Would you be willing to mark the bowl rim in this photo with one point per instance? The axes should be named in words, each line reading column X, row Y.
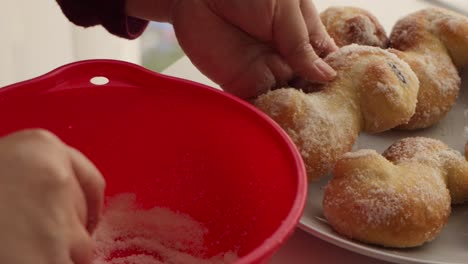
column 267, row 248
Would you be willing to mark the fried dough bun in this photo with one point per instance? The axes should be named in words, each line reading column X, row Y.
column 433, row 41
column 348, row 25
column 435, row 44
column 374, row 91
column 399, row 199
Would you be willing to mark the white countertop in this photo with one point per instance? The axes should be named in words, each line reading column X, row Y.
column 303, row 247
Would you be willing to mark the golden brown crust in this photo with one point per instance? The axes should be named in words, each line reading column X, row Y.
column 414, row 148
column 433, row 29
column 439, row 87
column 325, row 124
column 307, row 120
column 348, row 25
column 466, row 151
column 434, row 153
column 433, row 41
column 400, row 199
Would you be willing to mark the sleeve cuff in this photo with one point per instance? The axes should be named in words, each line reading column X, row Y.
column 108, row 13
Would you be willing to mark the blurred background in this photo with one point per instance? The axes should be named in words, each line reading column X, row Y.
column 37, row 38
column 159, row 47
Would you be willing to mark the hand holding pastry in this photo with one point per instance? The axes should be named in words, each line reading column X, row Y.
column 374, row 91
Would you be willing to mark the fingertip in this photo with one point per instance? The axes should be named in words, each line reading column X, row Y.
column 324, row 45
column 93, row 221
column 322, row 71
column 92, row 184
column 262, row 75
column 332, row 47
column 82, row 247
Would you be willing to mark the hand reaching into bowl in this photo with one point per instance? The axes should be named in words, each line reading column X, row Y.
column 50, row 200
column 247, row 47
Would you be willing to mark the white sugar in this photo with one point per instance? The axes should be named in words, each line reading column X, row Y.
column 423, row 150
column 151, row 236
column 349, row 54
column 436, row 64
column 359, row 154
column 353, row 25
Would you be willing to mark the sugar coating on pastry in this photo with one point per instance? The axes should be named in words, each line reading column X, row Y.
column 359, row 154
column 420, row 149
column 434, row 153
column 374, row 91
column 348, row 25
column 418, row 30
column 320, row 129
column 434, row 42
column 385, row 84
column 384, row 211
column 399, row 199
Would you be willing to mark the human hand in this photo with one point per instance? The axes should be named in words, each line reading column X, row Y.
column 251, row 46
column 247, row 46
column 50, row 200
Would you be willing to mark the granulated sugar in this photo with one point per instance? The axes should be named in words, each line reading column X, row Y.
column 353, row 25
column 359, row 154
column 128, row 234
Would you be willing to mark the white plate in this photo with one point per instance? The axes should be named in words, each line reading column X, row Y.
column 451, row 246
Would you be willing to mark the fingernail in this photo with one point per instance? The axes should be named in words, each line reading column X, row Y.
column 327, row 72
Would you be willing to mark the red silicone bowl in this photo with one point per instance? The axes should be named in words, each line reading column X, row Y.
column 175, row 144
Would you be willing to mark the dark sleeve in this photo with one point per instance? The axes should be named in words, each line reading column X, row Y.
column 108, row 13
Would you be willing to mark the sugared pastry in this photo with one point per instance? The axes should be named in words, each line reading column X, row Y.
column 348, row 25
column 374, row 91
column 434, row 42
column 399, row 199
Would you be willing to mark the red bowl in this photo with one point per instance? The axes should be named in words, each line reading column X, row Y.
column 176, row 144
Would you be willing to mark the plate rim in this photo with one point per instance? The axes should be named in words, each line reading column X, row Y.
column 355, row 247
column 361, row 248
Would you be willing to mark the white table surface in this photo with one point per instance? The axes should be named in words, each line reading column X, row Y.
column 302, row 247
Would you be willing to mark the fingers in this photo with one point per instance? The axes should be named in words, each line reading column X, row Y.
column 88, row 188
column 82, row 247
column 259, row 76
column 318, row 35
column 291, row 37
column 55, row 186
column 92, row 183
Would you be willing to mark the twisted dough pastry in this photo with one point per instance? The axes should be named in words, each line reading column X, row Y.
column 374, row 91
column 400, row 199
column 348, row 25
column 434, row 42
